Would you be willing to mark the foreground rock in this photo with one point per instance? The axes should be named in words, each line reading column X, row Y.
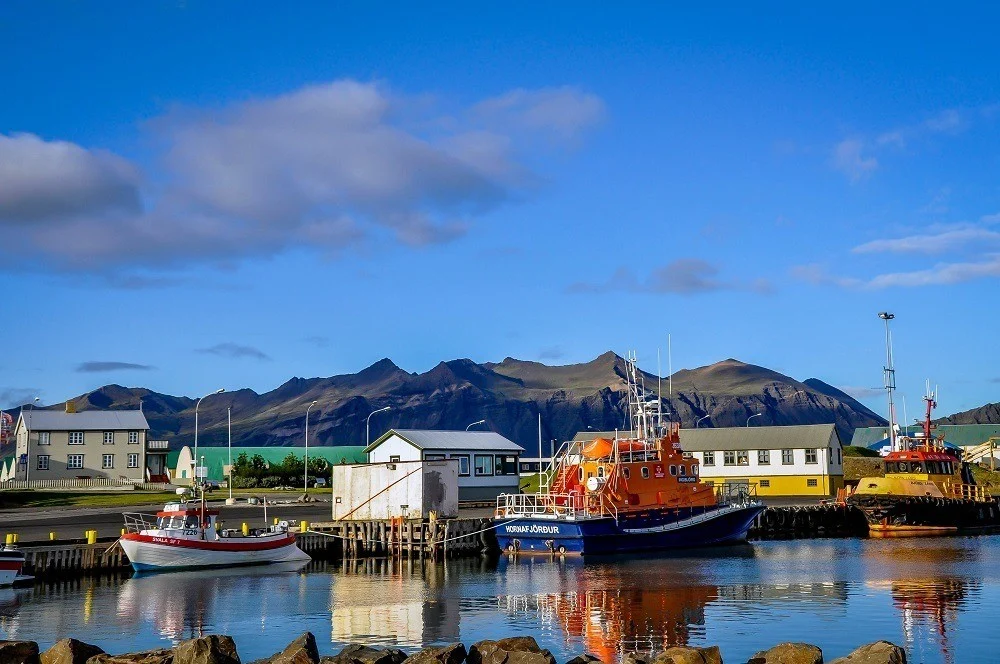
column 69, row 651
column 302, row 650
column 159, row 656
column 688, row 655
column 789, row 653
column 18, row 652
column 207, row 650
column 453, row 653
column 513, row 650
column 880, row 652
column 358, row 654
column 585, row 658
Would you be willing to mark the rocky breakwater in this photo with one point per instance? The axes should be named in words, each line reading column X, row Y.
column 513, row 650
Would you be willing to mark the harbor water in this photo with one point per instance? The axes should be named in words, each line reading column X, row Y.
column 937, row 597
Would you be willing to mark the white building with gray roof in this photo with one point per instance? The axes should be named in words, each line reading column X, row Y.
column 487, row 462
column 92, row 444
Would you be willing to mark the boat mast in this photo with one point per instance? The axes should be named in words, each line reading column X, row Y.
column 889, row 378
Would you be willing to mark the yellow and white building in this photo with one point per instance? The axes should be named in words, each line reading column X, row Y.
column 798, row 460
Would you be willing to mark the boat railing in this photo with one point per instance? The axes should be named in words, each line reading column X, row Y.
column 973, row 492
column 555, row 505
column 735, row 493
column 136, row 522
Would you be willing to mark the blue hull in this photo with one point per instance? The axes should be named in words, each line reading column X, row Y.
column 650, row 530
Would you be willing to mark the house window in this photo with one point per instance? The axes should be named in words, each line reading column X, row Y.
column 786, row 458
column 811, row 456
column 74, row 461
column 133, row 460
column 109, row 437
column 394, row 458
column 107, row 461
column 763, row 457
column 44, row 437
column 840, row 458
column 812, row 483
column 709, row 459
column 506, row 465
column 729, row 458
column 463, row 464
column 765, row 484
column 484, row 465
column 645, row 473
column 742, row 458
column 434, row 457
column 133, row 437
column 76, row 438
column 43, row 461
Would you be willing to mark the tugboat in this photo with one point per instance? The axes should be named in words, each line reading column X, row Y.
column 11, row 564
column 927, row 490
column 185, row 535
column 638, row 493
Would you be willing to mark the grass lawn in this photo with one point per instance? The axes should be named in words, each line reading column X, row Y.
column 529, row 483
column 30, row 498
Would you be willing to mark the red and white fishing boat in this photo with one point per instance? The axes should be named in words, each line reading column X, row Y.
column 184, row 535
column 11, row 564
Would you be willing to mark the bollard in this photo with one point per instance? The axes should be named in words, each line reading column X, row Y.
column 91, row 537
column 17, row 538
column 304, row 526
column 52, row 537
column 8, row 539
column 123, row 532
column 275, row 520
column 246, row 529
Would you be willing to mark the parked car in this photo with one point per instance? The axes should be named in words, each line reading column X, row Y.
column 319, row 483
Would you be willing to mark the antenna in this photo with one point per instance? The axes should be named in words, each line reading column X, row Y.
column 889, row 378
column 670, row 369
column 659, row 392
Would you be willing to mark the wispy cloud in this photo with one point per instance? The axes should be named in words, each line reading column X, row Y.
column 235, row 351
column 849, row 158
column 944, row 241
column 100, row 367
column 861, row 392
column 552, row 353
column 11, row 397
column 321, row 167
column 684, row 276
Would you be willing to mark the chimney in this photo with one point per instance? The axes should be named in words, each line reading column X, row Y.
column 70, row 406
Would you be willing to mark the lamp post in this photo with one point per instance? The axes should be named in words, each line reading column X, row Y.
column 218, row 391
column 368, row 437
column 474, row 424
column 698, row 421
column 305, row 482
column 751, row 417
column 229, row 430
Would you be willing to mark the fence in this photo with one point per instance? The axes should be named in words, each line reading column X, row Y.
column 93, row 483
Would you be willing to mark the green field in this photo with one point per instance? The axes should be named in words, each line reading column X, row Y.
column 32, row 498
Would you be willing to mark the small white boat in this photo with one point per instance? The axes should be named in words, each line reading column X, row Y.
column 11, row 564
column 184, row 536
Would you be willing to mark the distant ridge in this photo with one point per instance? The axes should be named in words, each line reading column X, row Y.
column 509, row 395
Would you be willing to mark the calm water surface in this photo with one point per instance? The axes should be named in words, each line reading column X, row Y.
column 938, row 597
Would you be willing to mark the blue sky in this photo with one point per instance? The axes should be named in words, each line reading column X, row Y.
column 228, row 195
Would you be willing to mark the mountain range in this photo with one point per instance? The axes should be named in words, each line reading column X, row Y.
column 509, row 395
column 988, row 414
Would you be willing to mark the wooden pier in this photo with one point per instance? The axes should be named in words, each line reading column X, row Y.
column 401, row 538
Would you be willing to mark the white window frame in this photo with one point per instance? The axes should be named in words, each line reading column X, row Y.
column 814, row 453
column 483, row 473
column 708, row 459
column 791, row 457
column 133, row 437
column 75, row 434
column 105, row 465
column 463, row 459
column 74, row 465
column 763, row 457
column 109, row 437
column 43, row 462
column 133, row 460
column 729, row 458
column 742, row 457
column 44, row 437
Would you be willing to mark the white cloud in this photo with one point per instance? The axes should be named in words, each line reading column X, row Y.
column 848, row 158
column 684, row 276
column 323, row 166
column 931, row 243
column 939, row 274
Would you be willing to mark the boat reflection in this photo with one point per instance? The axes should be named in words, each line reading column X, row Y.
column 184, row 605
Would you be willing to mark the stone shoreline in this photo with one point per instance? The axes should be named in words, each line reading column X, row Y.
column 514, row 650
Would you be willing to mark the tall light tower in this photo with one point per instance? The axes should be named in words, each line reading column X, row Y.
column 889, row 378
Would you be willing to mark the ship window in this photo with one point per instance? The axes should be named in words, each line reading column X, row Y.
column 600, row 471
column 694, row 470
column 581, row 474
column 191, row 522
column 918, row 467
column 645, row 473
column 709, row 459
column 673, row 470
column 177, row 522
column 625, row 472
column 904, row 467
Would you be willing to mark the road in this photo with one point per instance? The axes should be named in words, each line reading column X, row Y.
column 34, row 525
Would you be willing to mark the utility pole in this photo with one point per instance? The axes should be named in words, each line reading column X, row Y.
column 889, row 378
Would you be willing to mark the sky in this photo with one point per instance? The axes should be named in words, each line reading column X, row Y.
column 196, row 195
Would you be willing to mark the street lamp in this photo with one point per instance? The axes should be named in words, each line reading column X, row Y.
column 27, row 451
column 218, row 391
column 305, row 482
column 229, row 430
column 368, row 437
column 753, row 416
column 474, row 424
column 698, row 421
